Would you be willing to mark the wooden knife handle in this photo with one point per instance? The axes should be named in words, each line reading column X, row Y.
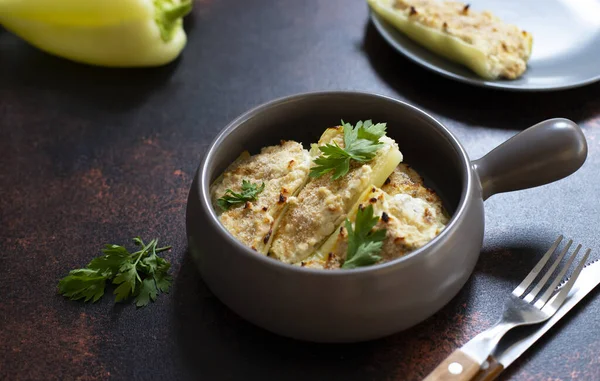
column 456, row 367
column 491, row 372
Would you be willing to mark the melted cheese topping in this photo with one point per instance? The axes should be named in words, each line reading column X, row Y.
column 284, row 169
column 411, row 213
column 323, row 203
column 405, row 180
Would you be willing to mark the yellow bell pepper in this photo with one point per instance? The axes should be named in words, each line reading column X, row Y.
column 113, row 33
column 80, row 12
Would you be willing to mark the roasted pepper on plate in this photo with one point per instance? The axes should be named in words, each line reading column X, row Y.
column 113, row 33
column 478, row 40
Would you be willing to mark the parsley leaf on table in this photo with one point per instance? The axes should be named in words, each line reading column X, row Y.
column 361, row 142
column 163, row 280
column 142, row 274
column 363, row 243
column 249, row 193
column 148, row 291
column 83, row 283
column 126, row 279
column 109, row 263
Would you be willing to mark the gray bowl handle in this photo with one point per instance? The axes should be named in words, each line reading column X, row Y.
column 546, row 152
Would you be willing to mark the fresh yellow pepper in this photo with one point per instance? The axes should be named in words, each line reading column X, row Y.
column 113, row 33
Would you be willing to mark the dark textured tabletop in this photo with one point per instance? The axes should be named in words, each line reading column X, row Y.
column 90, row 156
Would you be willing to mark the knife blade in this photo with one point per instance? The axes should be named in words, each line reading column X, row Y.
column 513, row 346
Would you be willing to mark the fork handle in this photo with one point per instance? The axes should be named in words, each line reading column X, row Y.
column 456, row 367
column 546, row 152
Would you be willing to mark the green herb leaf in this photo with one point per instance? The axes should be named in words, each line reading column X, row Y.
column 158, row 268
column 371, row 131
column 363, row 243
column 151, row 263
column 249, row 193
column 83, row 284
column 147, row 292
column 126, row 279
column 109, row 263
column 361, row 143
column 142, row 274
column 334, row 158
column 163, row 281
column 365, row 255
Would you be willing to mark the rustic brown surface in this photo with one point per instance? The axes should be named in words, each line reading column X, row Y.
column 90, row 156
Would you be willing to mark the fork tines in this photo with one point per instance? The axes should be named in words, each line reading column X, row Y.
column 542, row 302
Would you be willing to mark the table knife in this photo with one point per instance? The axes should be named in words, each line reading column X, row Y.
column 513, row 346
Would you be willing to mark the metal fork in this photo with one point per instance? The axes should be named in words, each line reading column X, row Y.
column 519, row 308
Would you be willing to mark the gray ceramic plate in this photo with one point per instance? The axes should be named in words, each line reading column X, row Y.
column 566, row 44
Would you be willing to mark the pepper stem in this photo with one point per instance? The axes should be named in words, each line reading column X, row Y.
column 172, row 14
column 168, row 16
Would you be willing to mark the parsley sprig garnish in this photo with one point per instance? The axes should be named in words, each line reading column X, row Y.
column 361, row 142
column 249, row 193
column 363, row 243
column 142, row 274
